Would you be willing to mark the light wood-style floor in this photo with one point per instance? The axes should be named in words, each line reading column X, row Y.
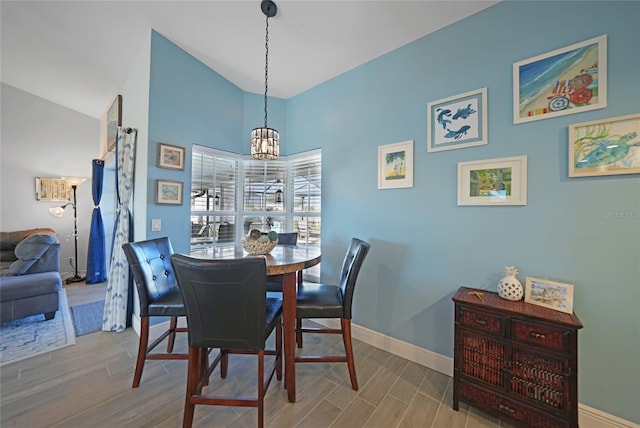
column 89, row 385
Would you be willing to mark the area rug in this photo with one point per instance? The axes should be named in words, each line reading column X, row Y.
column 27, row 337
column 88, row 318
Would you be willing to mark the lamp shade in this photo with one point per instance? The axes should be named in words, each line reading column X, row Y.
column 74, row 181
column 57, row 211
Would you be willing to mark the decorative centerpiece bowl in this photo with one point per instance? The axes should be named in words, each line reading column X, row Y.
column 257, row 244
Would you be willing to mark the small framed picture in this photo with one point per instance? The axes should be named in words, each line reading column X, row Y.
column 169, row 192
column 605, row 147
column 550, row 294
column 170, row 157
column 457, row 122
column 51, row 189
column 500, row 181
column 569, row 80
column 395, row 165
column 114, row 119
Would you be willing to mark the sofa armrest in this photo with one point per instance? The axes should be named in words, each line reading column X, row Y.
column 37, row 253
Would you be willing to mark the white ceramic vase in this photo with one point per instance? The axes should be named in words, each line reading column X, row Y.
column 509, row 287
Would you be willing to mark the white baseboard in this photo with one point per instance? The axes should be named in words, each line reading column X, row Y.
column 588, row 417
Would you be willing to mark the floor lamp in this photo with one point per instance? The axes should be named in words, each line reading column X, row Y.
column 74, row 182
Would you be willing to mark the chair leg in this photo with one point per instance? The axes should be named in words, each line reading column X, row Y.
column 348, row 347
column 173, row 324
column 142, row 350
column 194, row 373
column 279, row 350
column 224, row 363
column 261, row 389
column 299, row 332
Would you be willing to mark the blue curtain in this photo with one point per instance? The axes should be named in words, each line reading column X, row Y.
column 96, row 256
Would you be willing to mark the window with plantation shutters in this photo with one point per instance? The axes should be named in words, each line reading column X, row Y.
column 214, row 191
column 306, row 194
column 230, row 195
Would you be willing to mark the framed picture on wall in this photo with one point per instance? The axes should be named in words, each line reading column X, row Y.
column 500, row 181
column 458, row 121
column 114, row 119
column 550, row 294
column 395, row 165
column 51, row 189
column 170, row 157
column 569, row 80
column 605, row 147
column 169, row 192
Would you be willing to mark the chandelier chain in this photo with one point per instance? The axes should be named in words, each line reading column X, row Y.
column 266, row 69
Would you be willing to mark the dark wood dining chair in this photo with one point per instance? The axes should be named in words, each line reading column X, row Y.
column 158, row 295
column 227, row 308
column 332, row 301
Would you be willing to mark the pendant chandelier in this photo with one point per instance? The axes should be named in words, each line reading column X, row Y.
column 265, row 141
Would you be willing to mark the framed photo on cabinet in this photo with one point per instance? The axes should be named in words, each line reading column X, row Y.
column 550, row 294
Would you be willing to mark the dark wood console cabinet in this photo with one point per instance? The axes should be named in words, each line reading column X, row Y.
column 516, row 360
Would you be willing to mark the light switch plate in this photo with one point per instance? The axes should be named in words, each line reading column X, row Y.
column 156, row 225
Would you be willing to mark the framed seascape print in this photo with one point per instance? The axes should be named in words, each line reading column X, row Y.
column 493, row 182
column 169, row 192
column 114, row 119
column 605, row 147
column 568, row 80
column 395, row 165
column 457, row 122
column 550, row 294
column 170, row 157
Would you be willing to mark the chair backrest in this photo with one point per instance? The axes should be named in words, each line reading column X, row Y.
column 288, row 238
column 225, row 301
column 226, row 232
column 149, row 261
column 351, row 265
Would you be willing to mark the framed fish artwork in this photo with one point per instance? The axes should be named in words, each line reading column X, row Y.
column 605, row 147
column 457, row 122
column 569, row 80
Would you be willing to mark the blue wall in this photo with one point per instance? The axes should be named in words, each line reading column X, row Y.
column 424, row 246
column 585, row 231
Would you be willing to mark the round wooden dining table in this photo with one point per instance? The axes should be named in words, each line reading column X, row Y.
column 285, row 261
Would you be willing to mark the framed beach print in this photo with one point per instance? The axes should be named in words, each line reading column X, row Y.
column 457, row 122
column 51, row 189
column 605, row 147
column 550, row 294
column 395, row 165
column 169, row 192
column 569, row 80
column 170, row 157
column 500, row 181
column 114, row 119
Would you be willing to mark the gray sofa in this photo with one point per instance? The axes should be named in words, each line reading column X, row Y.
column 29, row 274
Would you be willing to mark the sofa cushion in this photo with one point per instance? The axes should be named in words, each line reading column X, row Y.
column 29, row 251
column 20, row 287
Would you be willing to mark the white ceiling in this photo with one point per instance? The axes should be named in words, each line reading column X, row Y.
column 75, row 53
